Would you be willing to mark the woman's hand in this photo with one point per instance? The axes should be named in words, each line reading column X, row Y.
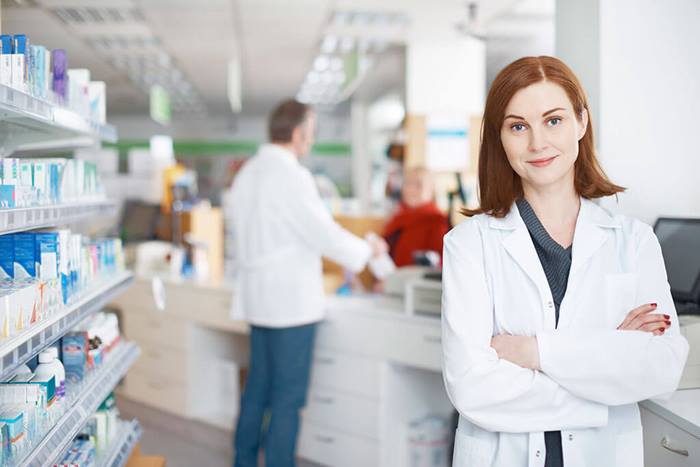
column 642, row 319
column 521, row 350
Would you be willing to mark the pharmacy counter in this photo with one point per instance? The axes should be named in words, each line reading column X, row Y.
column 672, row 430
column 190, row 363
column 375, row 369
column 375, row 372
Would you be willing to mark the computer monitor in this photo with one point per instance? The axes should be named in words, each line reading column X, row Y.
column 139, row 221
column 680, row 246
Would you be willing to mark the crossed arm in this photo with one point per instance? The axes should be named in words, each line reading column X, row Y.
column 558, row 379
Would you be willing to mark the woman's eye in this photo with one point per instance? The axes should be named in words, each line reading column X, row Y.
column 554, row 121
column 517, row 127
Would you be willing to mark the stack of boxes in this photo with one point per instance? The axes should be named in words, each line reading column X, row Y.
column 35, row 70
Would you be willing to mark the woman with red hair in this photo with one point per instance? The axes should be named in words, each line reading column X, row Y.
column 557, row 315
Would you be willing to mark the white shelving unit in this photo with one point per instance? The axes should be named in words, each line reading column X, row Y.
column 23, row 347
column 83, row 401
column 28, row 123
column 118, row 453
column 37, row 217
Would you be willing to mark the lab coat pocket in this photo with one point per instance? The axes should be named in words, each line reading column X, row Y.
column 471, row 451
column 620, row 297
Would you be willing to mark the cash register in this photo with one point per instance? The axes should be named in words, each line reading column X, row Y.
column 680, row 246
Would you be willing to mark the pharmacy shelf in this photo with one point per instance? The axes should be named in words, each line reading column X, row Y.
column 27, row 122
column 120, row 449
column 82, row 401
column 19, row 349
column 21, row 219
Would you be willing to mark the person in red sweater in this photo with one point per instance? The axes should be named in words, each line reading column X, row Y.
column 418, row 224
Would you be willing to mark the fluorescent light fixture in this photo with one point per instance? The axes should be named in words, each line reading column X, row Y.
column 336, row 64
column 321, row 63
column 346, row 44
column 329, row 44
column 234, row 85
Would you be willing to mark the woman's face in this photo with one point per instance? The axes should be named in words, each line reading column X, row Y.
column 540, row 135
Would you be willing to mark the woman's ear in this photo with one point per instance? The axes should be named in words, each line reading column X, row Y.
column 583, row 124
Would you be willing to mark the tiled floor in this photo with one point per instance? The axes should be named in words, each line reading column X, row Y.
column 184, row 443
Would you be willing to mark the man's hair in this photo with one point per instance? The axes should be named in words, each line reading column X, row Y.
column 287, row 116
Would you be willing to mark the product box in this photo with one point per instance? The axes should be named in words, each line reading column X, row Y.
column 98, row 108
column 13, row 417
column 49, row 383
column 7, row 196
column 7, row 256
column 46, row 244
column 6, row 60
column 41, row 182
column 25, row 189
column 75, row 350
column 25, row 256
column 59, row 66
column 30, row 397
column 26, row 304
column 6, row 327
column 19, row 62
column 64, row 260
column 10, row 174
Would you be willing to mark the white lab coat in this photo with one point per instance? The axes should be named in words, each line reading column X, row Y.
column 592, row 375
column 281, row 228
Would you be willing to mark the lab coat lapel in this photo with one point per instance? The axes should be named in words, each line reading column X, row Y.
column 519, row 246
column 594, row 227
column 592, row 231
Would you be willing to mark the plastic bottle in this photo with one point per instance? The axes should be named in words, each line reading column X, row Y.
column 49, row 365
column 61, row 372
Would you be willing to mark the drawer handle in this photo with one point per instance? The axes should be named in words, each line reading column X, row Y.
column 324, row 400
column 432, row 339
column 325, row 439
column 667, row 445
column 326, row 360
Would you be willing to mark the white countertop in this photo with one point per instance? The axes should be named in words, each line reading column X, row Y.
column 682, row 409
column 379, row 306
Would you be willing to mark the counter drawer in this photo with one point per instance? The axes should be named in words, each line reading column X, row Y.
column 163, row 362
column 659, row 432
column 348, row 373
column 162, row 393
column 156, row 328
column 416, row 345
column 352, row 414
column 326, row 446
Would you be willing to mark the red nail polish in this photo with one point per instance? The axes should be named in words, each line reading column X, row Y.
column 654, row 305
column 663, row 330
column 667, row 317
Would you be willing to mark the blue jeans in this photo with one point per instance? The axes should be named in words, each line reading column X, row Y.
column 278, row 379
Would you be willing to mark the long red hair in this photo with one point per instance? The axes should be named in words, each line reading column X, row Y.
column 499, row 185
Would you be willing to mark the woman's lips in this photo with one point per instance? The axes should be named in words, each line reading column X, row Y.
column 542, row 162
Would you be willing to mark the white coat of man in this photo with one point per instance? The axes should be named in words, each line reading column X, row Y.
column 282, row 229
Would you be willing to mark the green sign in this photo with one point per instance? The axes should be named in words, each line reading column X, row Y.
column 160, row 105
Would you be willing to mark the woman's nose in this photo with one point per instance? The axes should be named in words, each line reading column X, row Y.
column 537, row 140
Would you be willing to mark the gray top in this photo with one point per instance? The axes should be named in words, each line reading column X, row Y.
column 555, row 259
column 556, row 262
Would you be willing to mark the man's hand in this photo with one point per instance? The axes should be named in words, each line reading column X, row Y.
column 377, row 243
column 521, row 350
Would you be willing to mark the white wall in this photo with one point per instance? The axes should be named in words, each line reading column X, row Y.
column 331, row 127
column 649, row 94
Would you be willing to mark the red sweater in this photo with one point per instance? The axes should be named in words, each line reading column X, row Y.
column 414, row 229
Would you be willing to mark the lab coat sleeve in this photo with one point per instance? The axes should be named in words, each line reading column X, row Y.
column 492, row 393
column 621, row 367
column 311, row 220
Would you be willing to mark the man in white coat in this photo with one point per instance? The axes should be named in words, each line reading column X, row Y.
column 282, row 229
